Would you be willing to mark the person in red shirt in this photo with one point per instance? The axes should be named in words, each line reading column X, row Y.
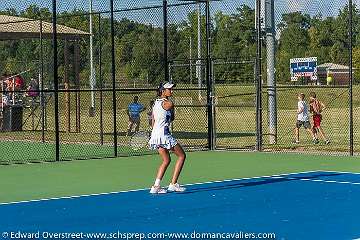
column 316, row 107
column 19, row 82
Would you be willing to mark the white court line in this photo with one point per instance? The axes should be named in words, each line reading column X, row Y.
column 328, row 181
column 277, row 176
column 355, row 173
column 142, row 189
column 323, row 181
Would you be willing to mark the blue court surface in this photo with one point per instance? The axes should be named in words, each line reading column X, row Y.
column 309, row 205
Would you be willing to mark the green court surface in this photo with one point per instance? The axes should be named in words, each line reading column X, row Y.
column 32, row 151
column 72, row 178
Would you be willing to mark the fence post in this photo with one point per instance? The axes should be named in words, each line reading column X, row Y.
column 42, row 101
column 101, row 83
column 113, row 66
column 258, row 78
column 351, row 122
column 165, row 20
column 210, row 94
column 56, row 84
column 271, row 81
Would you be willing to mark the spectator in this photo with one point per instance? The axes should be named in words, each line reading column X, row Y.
column 303, row 119
column 33, row 88
column 133, row 112
column 316, row 107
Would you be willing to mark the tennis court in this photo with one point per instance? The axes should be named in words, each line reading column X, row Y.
column 293, row 196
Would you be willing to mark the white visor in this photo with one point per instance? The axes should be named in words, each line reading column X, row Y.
column 168, row 85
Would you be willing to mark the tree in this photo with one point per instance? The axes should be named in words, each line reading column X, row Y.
column 235, row 40
column 294, row 42
column 321, row 38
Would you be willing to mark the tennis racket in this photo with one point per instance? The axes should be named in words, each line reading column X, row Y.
column 139, row 140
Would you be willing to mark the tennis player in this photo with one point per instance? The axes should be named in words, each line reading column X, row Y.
column 162, row 140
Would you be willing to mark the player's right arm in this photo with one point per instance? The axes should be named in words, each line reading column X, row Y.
column 152, row 120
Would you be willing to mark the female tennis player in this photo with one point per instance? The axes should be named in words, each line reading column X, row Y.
column 161, row 140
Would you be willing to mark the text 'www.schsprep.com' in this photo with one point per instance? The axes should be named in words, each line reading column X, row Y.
column 134, row 235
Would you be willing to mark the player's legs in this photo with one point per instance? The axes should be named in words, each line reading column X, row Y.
column 313, row 136
column 316, row 124
column 315, row 131
column 179, row 152
column 130, row 126
column 165, row 156
column 297, row 127
column 137, row 124
column 322, row 133
column 297, row 136
column 308, row 128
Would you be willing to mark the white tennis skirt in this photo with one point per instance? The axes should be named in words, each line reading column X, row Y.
column 164, row 141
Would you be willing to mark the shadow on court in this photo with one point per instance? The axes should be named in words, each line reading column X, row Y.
column 257, row 182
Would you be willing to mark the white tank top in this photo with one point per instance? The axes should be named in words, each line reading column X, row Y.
column 162, row 118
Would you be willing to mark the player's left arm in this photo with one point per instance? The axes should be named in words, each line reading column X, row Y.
column 172, row 118
column 323, row 106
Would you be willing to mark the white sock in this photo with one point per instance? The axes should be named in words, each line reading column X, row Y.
column 157, row 182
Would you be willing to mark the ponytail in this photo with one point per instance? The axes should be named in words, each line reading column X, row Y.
column 160, row 89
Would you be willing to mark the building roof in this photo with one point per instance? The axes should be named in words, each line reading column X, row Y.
column 332, row 66
column 12, row 27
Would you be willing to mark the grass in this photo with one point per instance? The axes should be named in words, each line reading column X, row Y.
column 234, row 119
column 33, row 152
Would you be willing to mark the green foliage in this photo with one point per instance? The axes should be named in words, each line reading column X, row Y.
column 139, row 46
column 356, row 62
column 324, row 38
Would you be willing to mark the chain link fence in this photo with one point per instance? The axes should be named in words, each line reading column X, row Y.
column 310, row 46
column 211, row 49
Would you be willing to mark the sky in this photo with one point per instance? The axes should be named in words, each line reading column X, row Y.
column 312, row 7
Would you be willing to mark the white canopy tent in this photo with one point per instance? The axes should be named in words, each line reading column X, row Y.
column 12, row 27
column 16, row 28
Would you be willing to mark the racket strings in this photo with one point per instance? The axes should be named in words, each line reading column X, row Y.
column 139, row 140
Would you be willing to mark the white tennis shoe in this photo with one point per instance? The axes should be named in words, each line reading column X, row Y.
column 157, row 190
column 175, row 188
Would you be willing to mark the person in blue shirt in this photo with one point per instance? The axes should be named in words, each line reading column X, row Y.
column 133, row 111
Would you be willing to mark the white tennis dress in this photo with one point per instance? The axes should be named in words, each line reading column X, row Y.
column 160, row 135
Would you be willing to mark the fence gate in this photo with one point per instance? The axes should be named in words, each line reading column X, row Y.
column 234, row 101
